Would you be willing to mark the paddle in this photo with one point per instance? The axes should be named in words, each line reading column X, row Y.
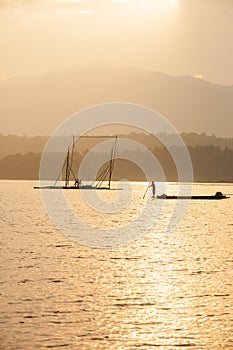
column 145, row 192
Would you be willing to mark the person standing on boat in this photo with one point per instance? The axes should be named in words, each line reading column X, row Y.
column 153, row 188
column 77, row 183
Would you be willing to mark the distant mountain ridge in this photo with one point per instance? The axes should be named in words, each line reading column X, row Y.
column 37, row 105
column 12, row 144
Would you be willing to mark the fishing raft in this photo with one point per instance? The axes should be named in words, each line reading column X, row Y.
column 105, row 175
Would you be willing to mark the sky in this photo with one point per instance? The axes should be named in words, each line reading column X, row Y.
column 177, row 37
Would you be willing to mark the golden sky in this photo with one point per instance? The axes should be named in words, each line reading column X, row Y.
column 179, row 37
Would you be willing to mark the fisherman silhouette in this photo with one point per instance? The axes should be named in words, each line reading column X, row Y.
column 153, row 189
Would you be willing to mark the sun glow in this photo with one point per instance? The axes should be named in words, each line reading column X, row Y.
column 161, row 4
column 157, row 8
column 141, row 3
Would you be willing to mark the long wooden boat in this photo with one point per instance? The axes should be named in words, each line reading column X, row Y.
column 217, row 196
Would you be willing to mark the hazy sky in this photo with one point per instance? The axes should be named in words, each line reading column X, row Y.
column 177, row 37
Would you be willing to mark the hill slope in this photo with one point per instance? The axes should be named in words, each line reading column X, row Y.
column 37, row 105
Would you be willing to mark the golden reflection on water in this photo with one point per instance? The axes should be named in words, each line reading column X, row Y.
column 99, row 216
column 166, row 290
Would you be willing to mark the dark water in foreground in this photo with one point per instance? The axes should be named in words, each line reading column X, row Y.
column 166, row 290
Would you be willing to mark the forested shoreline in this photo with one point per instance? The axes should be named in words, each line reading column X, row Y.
column 210, row 164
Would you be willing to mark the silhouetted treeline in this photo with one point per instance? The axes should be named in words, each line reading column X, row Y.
column 12, row 144
column 210, row 164
column 20, row 166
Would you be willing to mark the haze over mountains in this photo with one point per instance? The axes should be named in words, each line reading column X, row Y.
column 36, row 105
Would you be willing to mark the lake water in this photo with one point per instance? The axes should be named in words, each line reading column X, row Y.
column 166, row 290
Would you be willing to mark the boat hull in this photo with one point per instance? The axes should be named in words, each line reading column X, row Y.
column 214, row 197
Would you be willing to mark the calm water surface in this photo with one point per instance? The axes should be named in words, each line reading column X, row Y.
column 166, row 290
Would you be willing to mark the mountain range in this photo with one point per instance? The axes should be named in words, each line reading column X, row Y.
column 36, row 105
